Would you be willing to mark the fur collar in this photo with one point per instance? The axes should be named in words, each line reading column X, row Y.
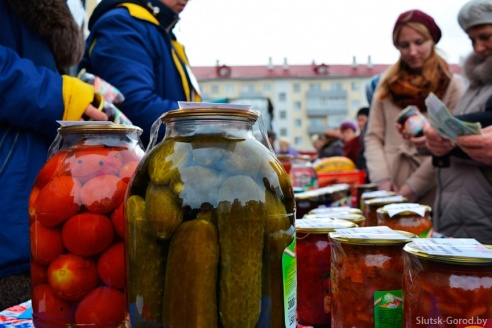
column 52, row 20
column 478, row 70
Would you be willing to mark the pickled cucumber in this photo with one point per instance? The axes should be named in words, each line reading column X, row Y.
column 146, row 257
column 240, row 160
column 166, row 159
column 162, row 211
column 240, row 216
column 190, row 293
column 279, row 233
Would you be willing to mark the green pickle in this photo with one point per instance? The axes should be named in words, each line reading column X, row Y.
column 211, row 216
column 190, row 293
column 146, row 269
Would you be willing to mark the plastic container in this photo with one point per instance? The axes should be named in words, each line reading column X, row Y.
column 371, row 206
column 210, row 225
column 447, row 283
column 313, row 270
column 414, row 218
column 366, row 277
column 302, row 173
column 352, row 178
column 286, row 161
column 76, row 228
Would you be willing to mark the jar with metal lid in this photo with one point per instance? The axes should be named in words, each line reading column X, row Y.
column 302, row 173
column 77, row 226
column 371, row 206
column 373, row 194
column 346, row 216
column 366, row 277
column 331, row 196
column 340, row 209
column 210, row 225
column 447, row 283
column 411, row 217
column 363, row 188
column 313, row 270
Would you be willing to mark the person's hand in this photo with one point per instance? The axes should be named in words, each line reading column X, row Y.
column 93, row 113
column 408, row 193
column 478, row 146
column 387, row 185
column 435, row 143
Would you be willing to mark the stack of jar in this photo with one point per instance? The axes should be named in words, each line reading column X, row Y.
column 332, row 196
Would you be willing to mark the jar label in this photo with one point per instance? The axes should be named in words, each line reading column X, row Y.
column 395, row 209
column 455, row 247
column 289, row 275
column 388, row 308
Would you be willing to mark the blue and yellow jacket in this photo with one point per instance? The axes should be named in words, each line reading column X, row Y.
column 135, row 50
column 33, row 95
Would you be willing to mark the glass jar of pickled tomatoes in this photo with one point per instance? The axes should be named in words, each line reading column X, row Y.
column 77, row 226
column 414, row 218
column 447, row 283
column 366, row 277
column 372, row 205
column 313, row 269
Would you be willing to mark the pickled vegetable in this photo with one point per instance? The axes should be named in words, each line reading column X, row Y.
column 240, row 220
column 162, row 211
column 166, row 160
column 146, row 258
column 190, row 294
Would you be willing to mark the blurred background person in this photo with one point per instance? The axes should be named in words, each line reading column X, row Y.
column 39, row 40
column 329, row 144
column 351, row 141
column 463, row 207
column 132, row 46
column 284, row 147
column 394, row 163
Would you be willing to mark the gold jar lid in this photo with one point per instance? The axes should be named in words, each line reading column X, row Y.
column 376, row 194
column 355, row 218
column 375, row 236
column 385, row 200
column 96, row 127
column 404, row 209
column 317, row 226
column 330, row 210
column 461, row 251
column 217, row 111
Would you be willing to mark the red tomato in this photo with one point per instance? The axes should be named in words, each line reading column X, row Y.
column 58, row 200
column 56, row 165
column 49, row 310
column 72, row 276
column 111, row 266
column 90, row 162
column 33, row 196
column 87, row 234
column 103, row 307
column 103, row 193
column 46, row 243
column 39, row 274
column 118, row 220
column 127, row 170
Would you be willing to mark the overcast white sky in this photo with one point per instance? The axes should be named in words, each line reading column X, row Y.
column 248, row 32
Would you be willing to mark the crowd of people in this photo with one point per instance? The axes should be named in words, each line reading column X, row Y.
column 132, row 46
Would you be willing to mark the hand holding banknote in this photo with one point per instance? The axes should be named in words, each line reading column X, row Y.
column 478, row 147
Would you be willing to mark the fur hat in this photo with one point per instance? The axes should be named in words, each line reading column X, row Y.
column 418, row 16
column 348, row 125
column 475, row 12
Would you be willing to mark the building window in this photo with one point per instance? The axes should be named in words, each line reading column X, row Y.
column 215, row 88
column 317, row 122
column 230, row 89
column 314, row 87
column 297, row 105
column 355, row 86
column 266, row 87
column 355, row 104
column 336, row 86
column 296, row 87
column 282, row 96
column 297, row 123
column 298, row 141
column 248, row 88
column 283, row 114
column 283, row 132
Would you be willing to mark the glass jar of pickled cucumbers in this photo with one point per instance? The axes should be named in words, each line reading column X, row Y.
column 210, row 225
column 76, row 226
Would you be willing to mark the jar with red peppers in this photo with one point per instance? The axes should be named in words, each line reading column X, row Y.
column 447, row 283
column 372, row 205
column 77, row 226
column 414, row 218
column 313, row 269
column 366, row 271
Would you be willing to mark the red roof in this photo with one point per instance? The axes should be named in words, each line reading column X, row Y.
column 292, row 71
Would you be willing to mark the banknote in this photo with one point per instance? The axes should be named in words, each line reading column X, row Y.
column 441, row 119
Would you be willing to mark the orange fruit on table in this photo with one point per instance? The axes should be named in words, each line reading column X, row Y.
column 87, row 234
column 86, row 163
column 72, row 276
column 103, row 193
column 58, row 200
column 111, row 266
column 48, row 309
column 102, row 307
column 46, row 243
